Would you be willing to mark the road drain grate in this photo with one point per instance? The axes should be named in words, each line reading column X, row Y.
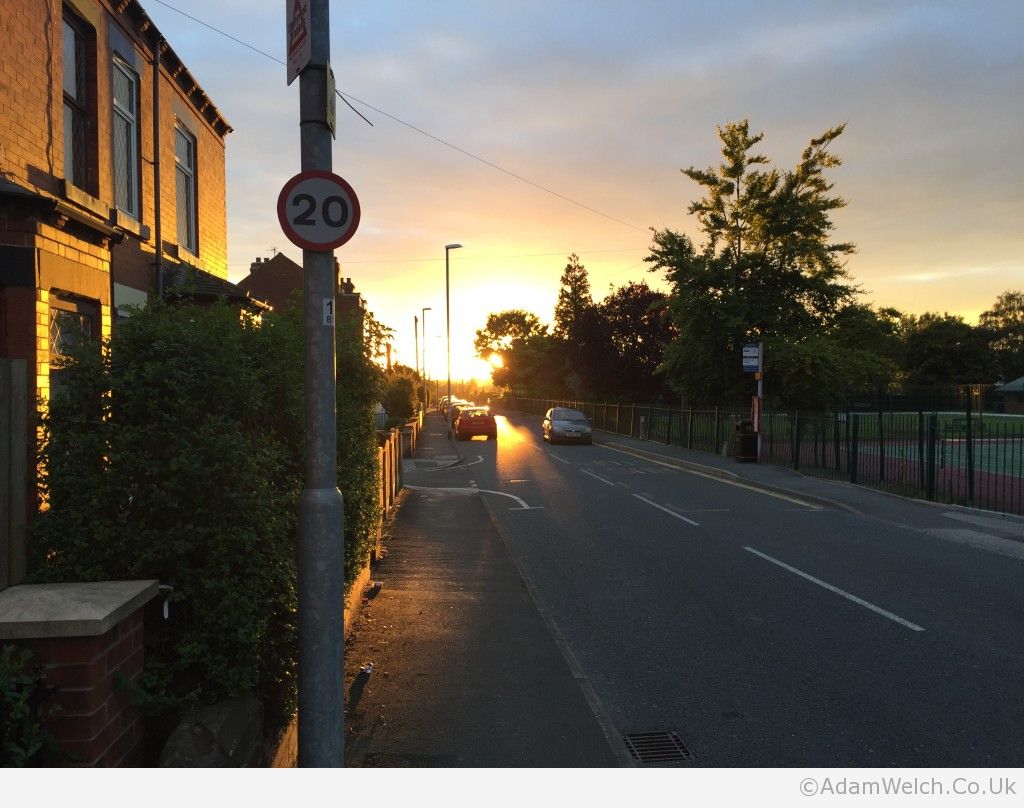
column 656, row 747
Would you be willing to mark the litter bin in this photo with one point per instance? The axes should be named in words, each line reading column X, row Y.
column 746, row 442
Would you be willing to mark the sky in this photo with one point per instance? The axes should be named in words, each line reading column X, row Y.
column 602, row 103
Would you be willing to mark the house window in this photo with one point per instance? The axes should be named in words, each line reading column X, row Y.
column 72, row 322
column 78, row 105
column 126, row 139
column 185, row 188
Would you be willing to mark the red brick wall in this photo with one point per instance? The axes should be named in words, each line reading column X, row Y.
column 95, row 722
column 31, row 129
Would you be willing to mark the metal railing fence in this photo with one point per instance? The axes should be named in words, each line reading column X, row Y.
column 968, row 457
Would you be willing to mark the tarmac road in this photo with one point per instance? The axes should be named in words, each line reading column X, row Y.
column 764, row 628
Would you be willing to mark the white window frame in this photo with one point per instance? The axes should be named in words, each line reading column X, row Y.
column 132, row 119
column 191, row 240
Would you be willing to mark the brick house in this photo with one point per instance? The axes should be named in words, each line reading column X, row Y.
column 275, row 279
column 112, row 188
column 79, row 172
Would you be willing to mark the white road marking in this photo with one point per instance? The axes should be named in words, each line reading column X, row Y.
column 523, row 506
column 666, row 510
column 559, row 459
column 460, row 467
column 836, row 590
column 981, row 541
column 597, row 477
column 1013, row 526
column 716, row 478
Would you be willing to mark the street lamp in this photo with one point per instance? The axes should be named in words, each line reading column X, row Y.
column 426, row 388
column 448, row 323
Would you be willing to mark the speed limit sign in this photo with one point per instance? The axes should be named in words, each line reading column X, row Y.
column 318, row 210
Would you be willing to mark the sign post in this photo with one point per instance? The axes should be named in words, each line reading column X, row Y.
column 318, row 211
column 753, row 362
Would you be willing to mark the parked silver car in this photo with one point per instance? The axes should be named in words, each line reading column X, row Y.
column 562, row 424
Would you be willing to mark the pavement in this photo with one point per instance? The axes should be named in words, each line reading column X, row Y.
column 451, row 663
column 455, row 661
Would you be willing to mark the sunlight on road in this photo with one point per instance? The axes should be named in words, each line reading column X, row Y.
column 510, row 434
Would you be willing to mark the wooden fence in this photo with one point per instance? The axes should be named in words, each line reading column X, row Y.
column 394, row 444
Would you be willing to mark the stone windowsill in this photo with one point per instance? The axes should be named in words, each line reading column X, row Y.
column 183, row 254
column 36, row 611
column 125, row 221
column 83, row 199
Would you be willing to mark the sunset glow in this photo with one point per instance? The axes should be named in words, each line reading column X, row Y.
column 603, row 116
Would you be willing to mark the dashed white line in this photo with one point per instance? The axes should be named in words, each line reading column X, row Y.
column 666, row 510
column 598, row 477
column 836, row 590
column 559, row 459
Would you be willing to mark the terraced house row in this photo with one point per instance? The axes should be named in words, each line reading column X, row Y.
column 111, row 174
column 112, row 189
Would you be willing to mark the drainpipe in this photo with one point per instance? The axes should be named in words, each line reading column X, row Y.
column 158, row 264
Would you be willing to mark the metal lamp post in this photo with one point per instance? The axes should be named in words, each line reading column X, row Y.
column 448, row 322
column 426, row 376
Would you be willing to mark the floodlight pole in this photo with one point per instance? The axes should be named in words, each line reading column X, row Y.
column 321, row 564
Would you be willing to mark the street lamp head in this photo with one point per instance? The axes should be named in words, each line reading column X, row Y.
column 427, row 308
column 452, row 246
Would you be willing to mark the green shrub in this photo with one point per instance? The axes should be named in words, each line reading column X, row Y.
column 176, row 453
column 400, row 397
column 167, row 456
column 360, row 384
column 23, row 710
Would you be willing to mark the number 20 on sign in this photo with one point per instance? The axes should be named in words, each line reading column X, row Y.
column 318, row 210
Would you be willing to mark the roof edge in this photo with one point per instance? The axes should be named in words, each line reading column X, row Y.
column 176, row 69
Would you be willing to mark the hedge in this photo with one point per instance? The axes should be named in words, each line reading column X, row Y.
column 175, row 452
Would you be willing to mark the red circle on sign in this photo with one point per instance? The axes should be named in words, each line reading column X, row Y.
column 343, row 234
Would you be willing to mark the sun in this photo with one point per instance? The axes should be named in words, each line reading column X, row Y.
column 496, row 360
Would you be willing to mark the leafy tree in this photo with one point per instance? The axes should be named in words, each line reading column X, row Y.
column 531, row 358
column 638, row 326
column 581, row 331
column 505, row 329
column 768, row 271
column 1005, row 322
column 574, row 298
column 941, row 349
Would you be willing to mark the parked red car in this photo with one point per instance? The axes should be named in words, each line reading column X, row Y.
column 475, row 421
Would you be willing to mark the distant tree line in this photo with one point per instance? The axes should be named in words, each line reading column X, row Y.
column 768, row 271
